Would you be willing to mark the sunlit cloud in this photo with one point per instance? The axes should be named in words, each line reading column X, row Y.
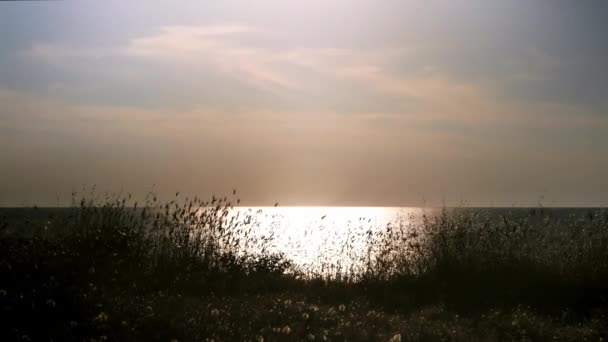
column 278, row 69
column 197, row 45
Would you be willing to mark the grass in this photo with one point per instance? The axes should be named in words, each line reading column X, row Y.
column 110, row 269
column 471, row 260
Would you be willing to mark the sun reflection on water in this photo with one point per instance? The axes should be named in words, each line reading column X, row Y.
column 315, row 238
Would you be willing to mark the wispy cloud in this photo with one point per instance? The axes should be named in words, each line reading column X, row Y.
column 212, row 45
column 426, row 94
column 278, row 69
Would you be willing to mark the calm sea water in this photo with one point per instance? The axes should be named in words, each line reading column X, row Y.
column 316, row 236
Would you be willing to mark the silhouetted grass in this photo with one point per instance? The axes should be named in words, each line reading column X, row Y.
column 110, row 269
column 470, row 260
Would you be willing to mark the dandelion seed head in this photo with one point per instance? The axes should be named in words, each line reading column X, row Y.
column 102, row 317
column 395, row 338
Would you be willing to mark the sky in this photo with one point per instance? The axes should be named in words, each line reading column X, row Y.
column 363, row 103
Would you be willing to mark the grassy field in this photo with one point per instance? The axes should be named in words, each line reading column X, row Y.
column 109, row 269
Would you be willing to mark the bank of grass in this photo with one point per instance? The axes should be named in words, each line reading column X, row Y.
column 110, row 269
column 473, row 259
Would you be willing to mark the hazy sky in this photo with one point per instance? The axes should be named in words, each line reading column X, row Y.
column 307, row 102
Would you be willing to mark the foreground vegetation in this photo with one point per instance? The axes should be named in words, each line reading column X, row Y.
column 110, row 269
